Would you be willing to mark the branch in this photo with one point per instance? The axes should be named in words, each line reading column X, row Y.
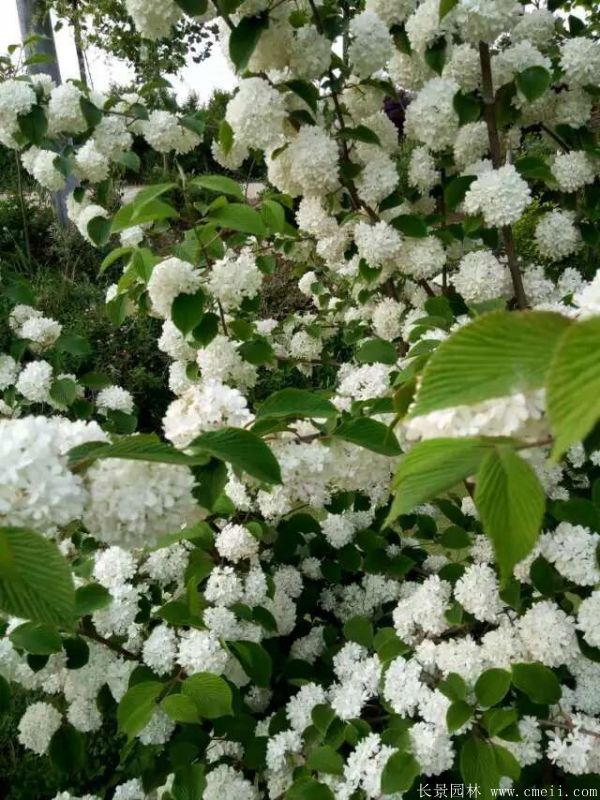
column 489, row 113
column 87, row 629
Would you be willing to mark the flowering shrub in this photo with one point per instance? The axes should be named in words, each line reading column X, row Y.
column 343, row 592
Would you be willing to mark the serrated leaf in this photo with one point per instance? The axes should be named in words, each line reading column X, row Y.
column 325, row 759
column 457, row 715
column 37, row 638
column 91, row 598
column 255, row 661
column 370, row 434
column 574, row 385
column 377, row 351
column 242, row 449
column 180, row 708
column 492, row 686
column 538, row 682
column 533, row 82
column 238, row 217
column 187, row 311
column 137, row 707
column 478, row 766
column 297, row 403
column 432, row 467
column 35, row 579
column 399, row 773
column 510, row 500
column 63, row 391
column 220, row 184
column 496, row 354
column 34, row 125
column 244, row 38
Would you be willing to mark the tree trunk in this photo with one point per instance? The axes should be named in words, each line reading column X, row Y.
column 34, row 19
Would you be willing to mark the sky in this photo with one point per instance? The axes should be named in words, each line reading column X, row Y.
column 204, row 78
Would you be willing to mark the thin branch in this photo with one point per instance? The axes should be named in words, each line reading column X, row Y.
column 87, row 629
column 489, row 113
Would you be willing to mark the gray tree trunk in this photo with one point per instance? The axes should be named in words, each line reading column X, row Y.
column 34, row 19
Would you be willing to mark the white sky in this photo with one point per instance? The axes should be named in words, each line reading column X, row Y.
column 204, row 78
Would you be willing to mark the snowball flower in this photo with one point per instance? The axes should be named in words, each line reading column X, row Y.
column 34, row 381
column 37, row 726
column 256, row 114
column 580, row 60
column 236, row 543
column 431, row 118
column 115, row 398
column 556, row 235
column 235, row 277
column 481, row 277
column 164, row 133
column 588, row 619
column 169, row 279
column 371, row 44
column 573, row 170
column 501, row 195
column 132, row 503
column 477, row 592
column 154, row 19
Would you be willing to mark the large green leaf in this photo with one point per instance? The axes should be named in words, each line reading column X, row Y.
column 244, row 38
column 399, row 773
column 478, row 766
column 220, row 184
column 35, row 579
column 510, row 501
column 143, row 447
column 296, row 403
column 538, row 682
column 210, row 693
column 495, row 355
column 242, row 449
column 66, row 750
column 239, row 217
column 433, row 467
column 492, row 686
column 36, row 638
column 533, row 82
column 370, row 434
column 34, row 125
column 189, row 782
column 255, row 661
column 137, row 707
column 574, row 384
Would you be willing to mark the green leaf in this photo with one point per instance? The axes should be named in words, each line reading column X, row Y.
column 446, row 7
column 4, row 695
column 63, row 391
column 510, row 501
column 399, row 773
column 325, row 759
column 74, row 344
column 496, row 354
column 497, row 720
column 210, row 693
column 34, row 125
column 410, row 225
column 377, row 351
column 297, row 403
column 457, row 715
column 225, row 136
column 220, row 184
column 538, row 682
column 242, row 449
column 141, row 447
column 189, row 782
column 238, row 217
column 360, row 134
column 432, row 467
column 478, row 766
column 360, row 630
column 370, row 434
column 66, row 749
column 137, row 707
column 90, row 598
column 195, row 8
column 258, row 351
column 77, row 652
column 35, row 579
column 273, row 216
column 306, row 91
column 533, row 82
column 435, row 55
column 36, row 638
column 207, row 329
column 453, row 687
column 456, row 189
column 180, row 708
column 574, row 385
column 506, row 762
column 255, row 661
column 244, row 38
column 466, row 106
column 534, row 168
column 308, row 789
column 99, row 230
column 93, row 115
column 130, row 160
column 187, row 311
column 492, row 686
